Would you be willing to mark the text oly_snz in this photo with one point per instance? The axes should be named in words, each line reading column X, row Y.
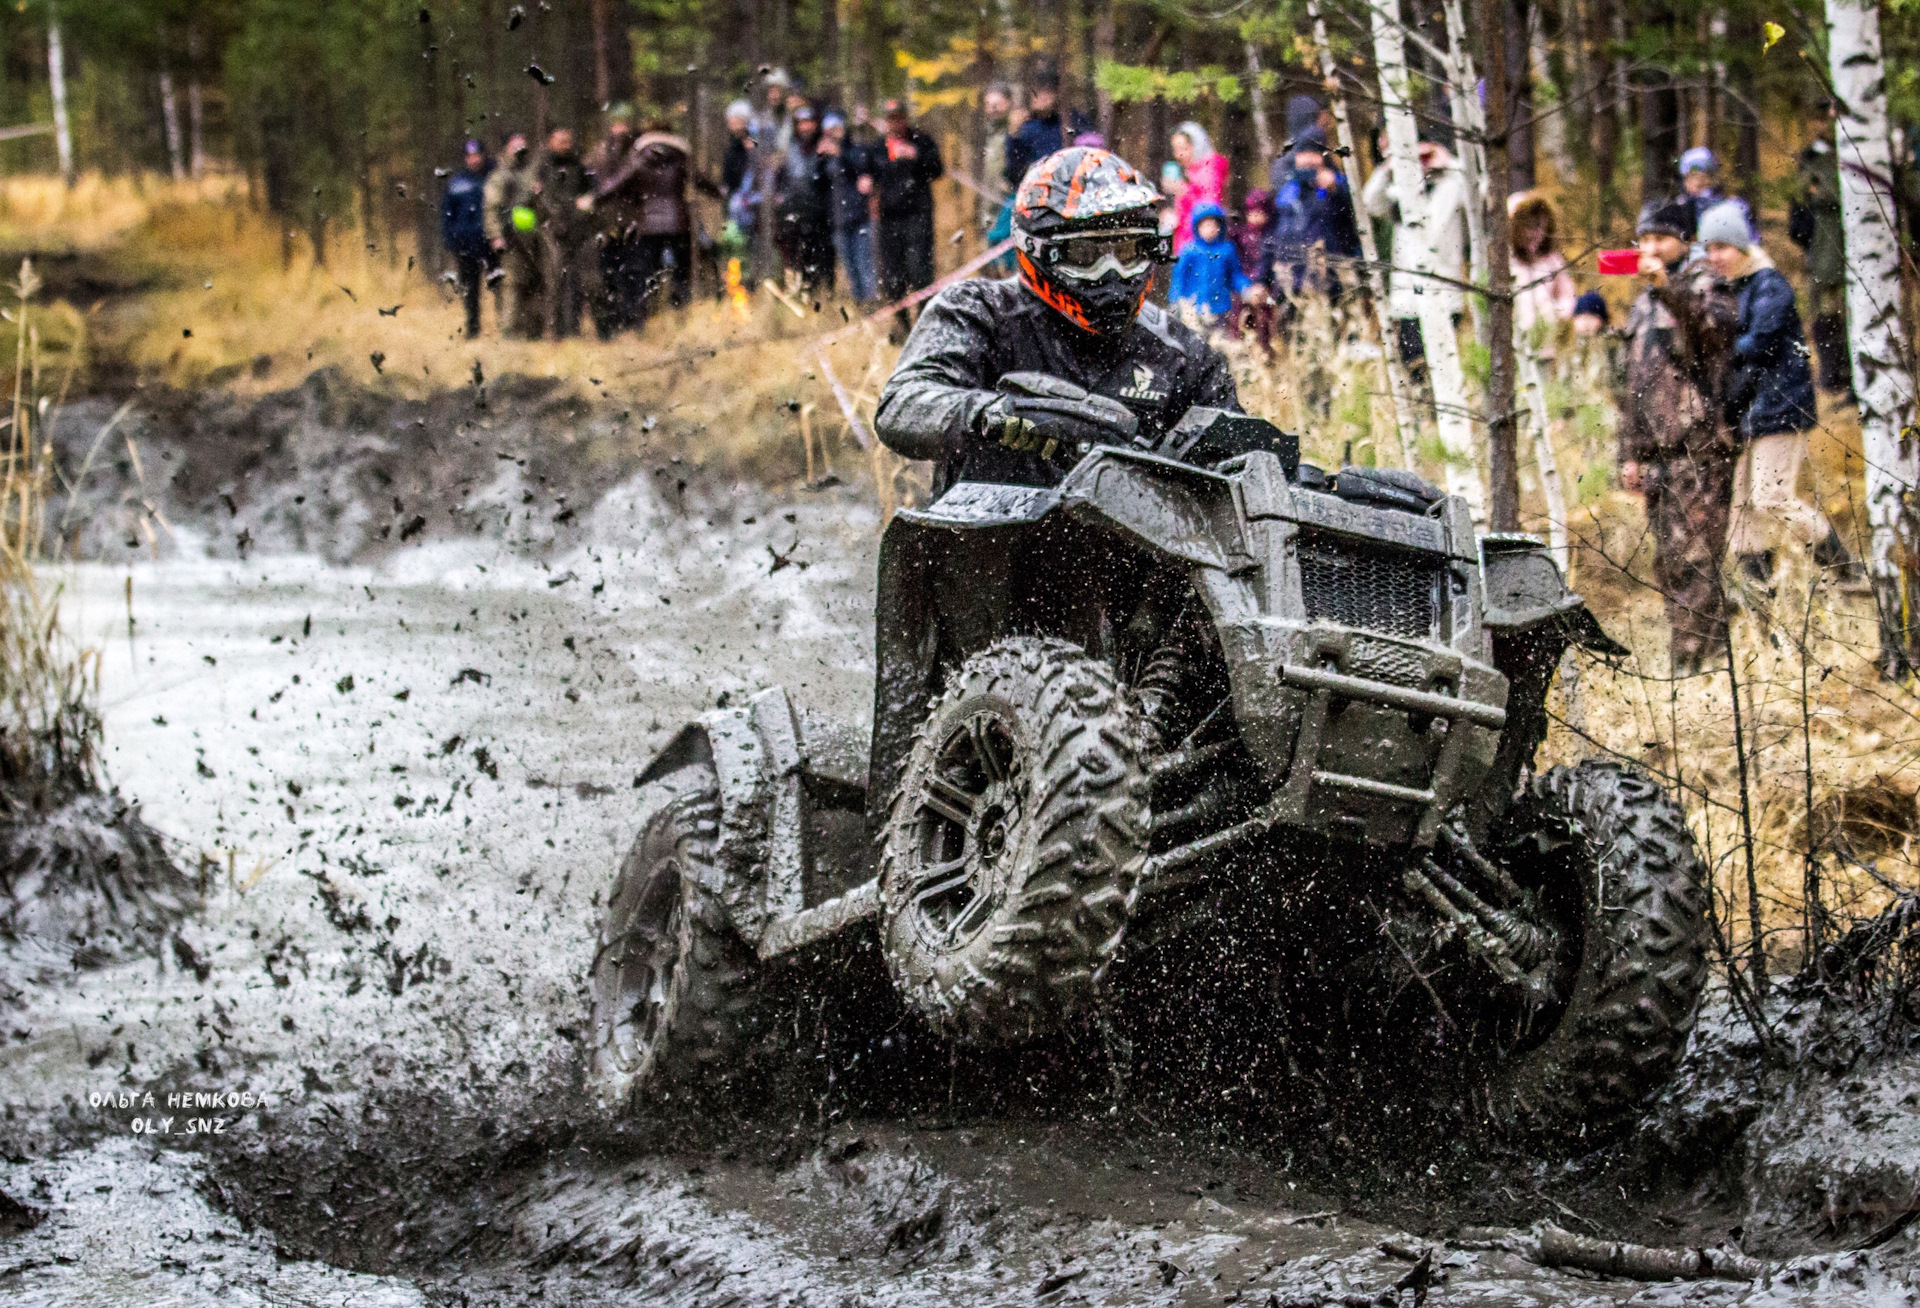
column 184, row 1099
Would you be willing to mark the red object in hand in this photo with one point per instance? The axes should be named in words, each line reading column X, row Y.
column 1619, row 263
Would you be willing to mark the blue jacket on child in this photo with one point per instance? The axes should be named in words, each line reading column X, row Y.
column 1207, row 274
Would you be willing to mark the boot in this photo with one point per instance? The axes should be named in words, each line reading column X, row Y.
column 1850, row 574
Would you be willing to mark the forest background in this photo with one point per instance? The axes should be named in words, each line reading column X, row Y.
column 343, row 113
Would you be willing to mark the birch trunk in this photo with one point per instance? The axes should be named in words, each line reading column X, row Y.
column 170, row 120
column 1413, row 258
column 57, row 78
column 1544, row 461
column 1882, row 375
column 1399, row 385
column 196, row 110
column 196, row 131
column 1470, row 126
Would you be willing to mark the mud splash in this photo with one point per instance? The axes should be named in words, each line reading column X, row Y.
column 406, row 779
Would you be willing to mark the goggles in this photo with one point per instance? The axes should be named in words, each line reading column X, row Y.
column 1089, row 256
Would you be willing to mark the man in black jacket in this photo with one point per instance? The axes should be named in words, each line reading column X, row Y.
column 1045, row 129
column 905, row 165
column 1088, row 241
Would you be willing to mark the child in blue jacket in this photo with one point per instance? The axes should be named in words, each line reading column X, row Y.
column 1207, row 275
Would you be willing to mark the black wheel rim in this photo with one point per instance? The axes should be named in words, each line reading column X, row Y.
column 637, row 967
column 968, row 810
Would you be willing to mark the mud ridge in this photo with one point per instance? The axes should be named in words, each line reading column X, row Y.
column 334, row 469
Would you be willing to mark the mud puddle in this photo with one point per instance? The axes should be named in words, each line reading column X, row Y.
column 405, row 785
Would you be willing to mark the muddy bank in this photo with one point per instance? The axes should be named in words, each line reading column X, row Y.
column 333, row 469
column 405, row 780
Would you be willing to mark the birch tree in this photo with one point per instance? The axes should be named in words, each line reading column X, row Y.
column 1470, row 128
column 1399, row 385
column 1882, row 376
column 1413, row 258
column 57, row 79
column 170, row 121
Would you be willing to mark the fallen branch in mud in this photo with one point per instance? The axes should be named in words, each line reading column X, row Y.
column 1641, row 1262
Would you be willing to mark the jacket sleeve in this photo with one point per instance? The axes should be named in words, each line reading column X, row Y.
column 927, row 158
column 931, row 405
column 1770, row 328
column 1216, row 390
column 1015, row 166
column 492, row 201
column 1706, row 317
column 1376, row 196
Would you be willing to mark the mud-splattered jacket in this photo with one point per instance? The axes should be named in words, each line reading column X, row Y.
column 1679, row 342
column 975, row 332
column 510, row 186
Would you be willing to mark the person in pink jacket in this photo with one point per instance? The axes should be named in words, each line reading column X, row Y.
column 1543, row 289
column 1204, row 181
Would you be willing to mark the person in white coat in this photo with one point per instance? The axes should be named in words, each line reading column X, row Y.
column 1446, row 199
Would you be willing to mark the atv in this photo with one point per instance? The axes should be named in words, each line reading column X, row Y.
column 1197, row 679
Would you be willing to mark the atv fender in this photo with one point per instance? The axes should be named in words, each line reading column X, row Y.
column 770, row 762
column 1526, row 593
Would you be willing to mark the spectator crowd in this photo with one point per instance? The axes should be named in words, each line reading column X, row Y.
column 1711, row 368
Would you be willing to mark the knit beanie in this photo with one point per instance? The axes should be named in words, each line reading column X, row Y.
column 1725, row 224
column 1666, row 218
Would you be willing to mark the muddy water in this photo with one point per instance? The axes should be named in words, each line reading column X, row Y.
column 405, row 787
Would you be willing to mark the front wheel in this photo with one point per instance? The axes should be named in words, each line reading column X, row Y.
column 675, row 1003
column 1015, row 842
column 1616, row 868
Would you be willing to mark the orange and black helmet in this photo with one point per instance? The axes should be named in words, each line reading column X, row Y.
column 1087, row 232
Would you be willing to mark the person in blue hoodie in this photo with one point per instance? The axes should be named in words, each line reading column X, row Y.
column 463, row 229
column 1207, row 275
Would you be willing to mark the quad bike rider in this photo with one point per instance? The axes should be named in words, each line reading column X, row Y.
column 1148, row 688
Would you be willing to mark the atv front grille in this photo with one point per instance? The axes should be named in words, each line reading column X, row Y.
column 1394, row 592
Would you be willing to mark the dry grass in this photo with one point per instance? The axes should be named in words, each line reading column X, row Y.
column 49, row 689
column 753, row 388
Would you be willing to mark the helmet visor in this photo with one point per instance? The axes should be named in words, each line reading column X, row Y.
column 1089, row 256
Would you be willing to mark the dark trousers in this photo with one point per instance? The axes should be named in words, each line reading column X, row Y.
column 572, row 268
column 1689, row 502
column 662, row 263
column 617, row 307
column 906, row 253
column 471, row 270
column 1413, row 346
column 811, row 253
